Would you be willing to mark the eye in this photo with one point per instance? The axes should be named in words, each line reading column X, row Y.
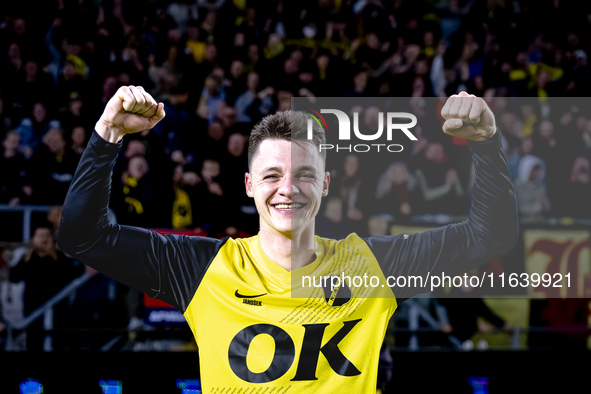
column 306, row 176
column 271, row 177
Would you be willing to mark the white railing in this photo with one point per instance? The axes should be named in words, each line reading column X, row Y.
column 47, row 311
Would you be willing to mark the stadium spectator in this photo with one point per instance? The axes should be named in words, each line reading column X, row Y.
column 393, row 192
column 350, row 188
column 45, row 270
column 210, row 193
column 531, row 189
column 78, row 140
column 574, row 201
column 330, row 224
column 55, row 164
column 438, row 183
column 220, row 66
column 135, row 201
column 234, row 165
column 183, row 208
column 252, row 105
column 14, row 188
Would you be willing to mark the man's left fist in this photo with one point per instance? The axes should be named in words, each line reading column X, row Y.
column 467, row 116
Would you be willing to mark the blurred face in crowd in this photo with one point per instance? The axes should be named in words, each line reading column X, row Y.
column 284, row 98
column 428, row 38
column 373, row 41
column 398, row 174
column 55, row 141
column 109, row 86
column 42, row 240
column 253, row 53
column 215, row 131
column 351, row 165
column 211, row 86
column 322, row 62
column 31, row 69
column 435, row 152
column 211, row 52
column 69, row 71
column 581, row 171
column 14, row 51
column 210, row 170
column 19, row 26
column 252, row 81
column 527, row 146
column 39, row 112
column 546, row 129
column 371, row 118
column 360, row 81
column 75, row 107
column 138, row 167
column 236, row 144
column 228, row 116
column 239, row 39
column 177, row 174
column 290, row 66
column 78, row 135
column 287, row 181
column 10, row 144
column 418, row 87
column 236, row 69
column 54, row 216
column 135, row 148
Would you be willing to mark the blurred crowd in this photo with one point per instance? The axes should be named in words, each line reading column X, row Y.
column 219, row 66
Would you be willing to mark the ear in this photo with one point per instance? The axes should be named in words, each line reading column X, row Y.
column 325, row 184
column 248, row 184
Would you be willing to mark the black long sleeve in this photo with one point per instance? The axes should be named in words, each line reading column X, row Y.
column 168, row 267
column 491, row 230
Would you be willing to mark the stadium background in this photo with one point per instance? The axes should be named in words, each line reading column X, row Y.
column 219, row 67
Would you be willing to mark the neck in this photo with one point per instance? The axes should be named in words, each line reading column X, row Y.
column 290, row 250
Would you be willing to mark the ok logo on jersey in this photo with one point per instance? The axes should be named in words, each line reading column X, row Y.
column 285, row 352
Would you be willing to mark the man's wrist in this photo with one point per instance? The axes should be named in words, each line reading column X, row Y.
column 107, row 132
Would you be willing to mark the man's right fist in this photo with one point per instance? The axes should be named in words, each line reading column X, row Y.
column 130, row 110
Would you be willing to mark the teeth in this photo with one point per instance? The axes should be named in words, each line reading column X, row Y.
column 288, row 206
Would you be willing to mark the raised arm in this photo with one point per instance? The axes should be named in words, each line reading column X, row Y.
column 491, row 229
column 168, row 267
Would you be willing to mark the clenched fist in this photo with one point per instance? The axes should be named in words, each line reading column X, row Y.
column 130, row 110
column 467, row 116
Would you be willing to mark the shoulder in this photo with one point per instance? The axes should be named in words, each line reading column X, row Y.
column 351, row 240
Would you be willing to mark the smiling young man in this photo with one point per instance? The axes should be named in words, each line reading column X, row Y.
column 287, row 181
column 237, row 295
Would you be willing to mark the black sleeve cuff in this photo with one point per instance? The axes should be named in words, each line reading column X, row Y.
column 101, row 144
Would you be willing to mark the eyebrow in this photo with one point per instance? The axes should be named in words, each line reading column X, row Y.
column 271, row 169
column 307, row 168
column 278, row 169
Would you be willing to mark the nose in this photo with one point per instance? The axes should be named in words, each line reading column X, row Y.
column 288, row 187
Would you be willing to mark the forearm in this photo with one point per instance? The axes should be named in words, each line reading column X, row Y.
column 85, row 212
column 493, row 215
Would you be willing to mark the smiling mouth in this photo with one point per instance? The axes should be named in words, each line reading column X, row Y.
column 285, row 207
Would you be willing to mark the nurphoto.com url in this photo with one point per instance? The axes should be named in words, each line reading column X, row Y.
column 442, row 280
